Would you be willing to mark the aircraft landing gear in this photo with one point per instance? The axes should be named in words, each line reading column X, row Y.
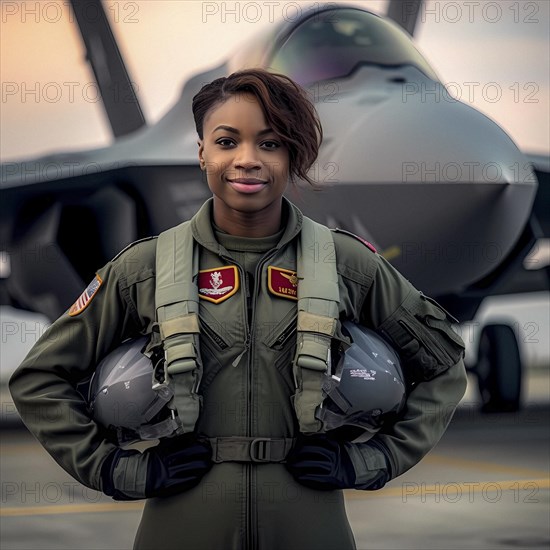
column 499, row 369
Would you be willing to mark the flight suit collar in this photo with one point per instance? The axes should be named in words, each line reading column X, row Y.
column 203, row 232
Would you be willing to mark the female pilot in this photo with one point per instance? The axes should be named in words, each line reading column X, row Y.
column 210, row 489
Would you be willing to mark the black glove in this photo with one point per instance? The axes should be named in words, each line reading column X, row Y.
column 174, row 465
column 321, row 463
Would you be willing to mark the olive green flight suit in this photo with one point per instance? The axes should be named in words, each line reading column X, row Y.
column 247, row 347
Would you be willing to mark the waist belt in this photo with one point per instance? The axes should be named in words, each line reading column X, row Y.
column 250, row 449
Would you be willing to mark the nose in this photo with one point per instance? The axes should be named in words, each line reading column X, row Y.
column 246, row 157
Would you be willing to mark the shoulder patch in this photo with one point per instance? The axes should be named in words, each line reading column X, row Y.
column 86, row 297
column 131, row 245
column 360, row 239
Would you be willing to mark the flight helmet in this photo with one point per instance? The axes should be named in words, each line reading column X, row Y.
column 121, row 396
column 366, row 387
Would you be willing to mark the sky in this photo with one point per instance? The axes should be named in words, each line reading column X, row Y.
column 493, row 55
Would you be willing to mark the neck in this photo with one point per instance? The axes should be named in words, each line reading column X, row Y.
column 262, row 223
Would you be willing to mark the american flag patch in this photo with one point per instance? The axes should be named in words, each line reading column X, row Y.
column 86, row 297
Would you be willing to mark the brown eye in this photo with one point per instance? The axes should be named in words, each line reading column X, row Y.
column 270, row 145
column 225, row 142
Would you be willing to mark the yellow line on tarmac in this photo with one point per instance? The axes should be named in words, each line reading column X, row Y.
column 7, row 448
column 71, row 509
column 482, row 465
column 449, row 492
column 452, row 491
column 391, row 253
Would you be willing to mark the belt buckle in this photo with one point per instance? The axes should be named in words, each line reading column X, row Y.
column 260, row 449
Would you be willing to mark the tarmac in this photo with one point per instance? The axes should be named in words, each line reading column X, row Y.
column 485, row 486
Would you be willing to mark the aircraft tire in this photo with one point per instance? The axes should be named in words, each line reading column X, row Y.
column 499, row 369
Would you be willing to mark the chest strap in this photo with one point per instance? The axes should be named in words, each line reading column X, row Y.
column 177, row 307
column 318, row 300
column 250, row 449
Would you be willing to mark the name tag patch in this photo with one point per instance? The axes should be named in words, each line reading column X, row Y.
column 86, row 297
column 218, row 284
column 282, row 282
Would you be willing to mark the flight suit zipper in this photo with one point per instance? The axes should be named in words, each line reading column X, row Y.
column 247, row 348
column 252, row 522
column 250, row 314
column 237, row 359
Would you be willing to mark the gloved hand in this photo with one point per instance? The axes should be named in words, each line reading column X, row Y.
column 321, row 463
column 174, row 465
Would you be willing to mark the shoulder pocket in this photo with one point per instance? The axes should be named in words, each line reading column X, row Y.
column 438, row 318
column 422, row 332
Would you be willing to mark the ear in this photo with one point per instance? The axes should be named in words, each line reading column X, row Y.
column 202, row 164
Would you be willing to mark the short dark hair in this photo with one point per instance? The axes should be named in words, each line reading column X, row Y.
column 285, row 104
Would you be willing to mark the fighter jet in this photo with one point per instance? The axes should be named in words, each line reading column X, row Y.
column 440, row 189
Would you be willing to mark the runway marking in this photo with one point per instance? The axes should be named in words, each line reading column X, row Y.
column 538, row 478
column 71, row 509
column 404, row 491
column 466, row 488
column 7, row 448
column 482, row 465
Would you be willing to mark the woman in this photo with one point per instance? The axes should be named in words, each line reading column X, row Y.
column 257, row 131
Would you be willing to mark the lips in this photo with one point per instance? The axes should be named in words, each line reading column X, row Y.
column 247, row 185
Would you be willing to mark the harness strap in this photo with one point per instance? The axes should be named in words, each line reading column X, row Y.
column 318, row 299
column 156, row 430
column 177, row 305
column 250, row 449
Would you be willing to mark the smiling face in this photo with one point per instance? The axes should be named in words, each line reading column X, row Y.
column 247, row 166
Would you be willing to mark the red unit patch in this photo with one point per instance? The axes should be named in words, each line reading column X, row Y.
column 86, row 297
column 282, row 282
column 367, row 244
column 218, row 284
column 360, row 239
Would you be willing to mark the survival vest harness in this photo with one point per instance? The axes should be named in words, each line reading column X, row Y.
column 177, row 309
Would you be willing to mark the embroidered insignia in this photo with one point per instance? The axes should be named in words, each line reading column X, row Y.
column 282, row 282
column 86, row 297
column 218, row 284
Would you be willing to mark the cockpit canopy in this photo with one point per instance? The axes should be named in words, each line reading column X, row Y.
column 332, row 44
